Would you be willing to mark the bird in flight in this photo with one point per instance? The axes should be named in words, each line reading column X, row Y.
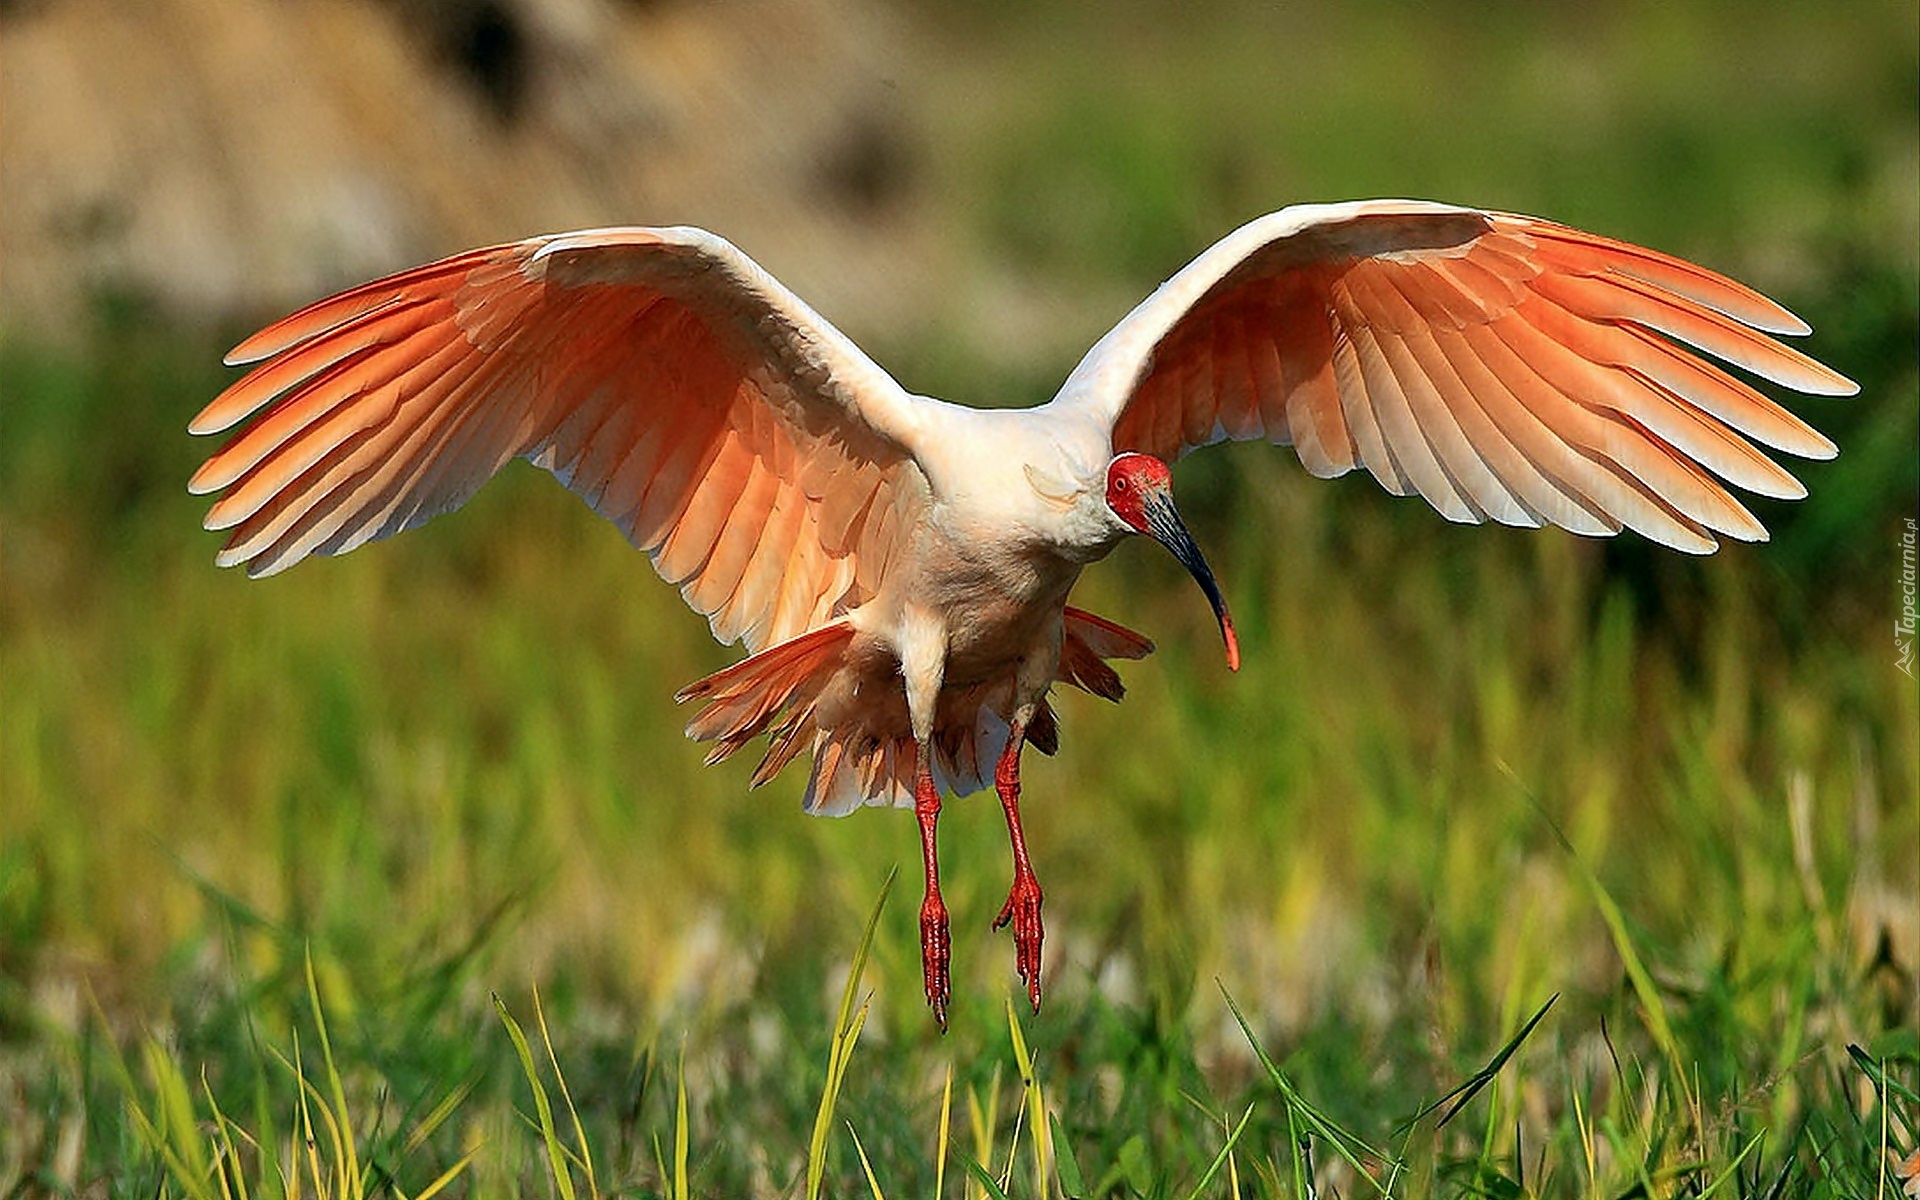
column 898, row 567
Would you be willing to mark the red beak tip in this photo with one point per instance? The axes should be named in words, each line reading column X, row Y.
column 1233, row 643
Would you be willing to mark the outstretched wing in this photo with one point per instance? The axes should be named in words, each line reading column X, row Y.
column 1501, row 366
column 746, row 445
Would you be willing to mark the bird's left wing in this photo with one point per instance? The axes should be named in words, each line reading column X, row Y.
column 1501, row 366
column 748, row 447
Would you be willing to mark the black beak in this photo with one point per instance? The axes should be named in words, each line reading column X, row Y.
column 1164, row 523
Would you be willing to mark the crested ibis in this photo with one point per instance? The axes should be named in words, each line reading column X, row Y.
column 898, row 567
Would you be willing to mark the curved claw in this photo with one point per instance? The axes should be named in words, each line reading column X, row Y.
column 936, row 956
column 1022, row 909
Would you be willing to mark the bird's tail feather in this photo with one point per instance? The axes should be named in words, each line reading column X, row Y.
column 775, row 693
column 772, row 692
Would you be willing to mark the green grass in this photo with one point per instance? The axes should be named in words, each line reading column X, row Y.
column 393, row 875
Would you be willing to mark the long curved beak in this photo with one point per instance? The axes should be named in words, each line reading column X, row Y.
column 1164, row 523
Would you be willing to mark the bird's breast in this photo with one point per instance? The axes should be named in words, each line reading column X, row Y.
column 1001, row 542
column 1000, row 598
column 994, row 603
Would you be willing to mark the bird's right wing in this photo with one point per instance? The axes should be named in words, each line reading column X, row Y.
column 757, row 456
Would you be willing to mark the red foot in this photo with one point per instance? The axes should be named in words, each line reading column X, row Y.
column 1023, row 899
column 936, row 953
column 936, row 947
column 1023, row 910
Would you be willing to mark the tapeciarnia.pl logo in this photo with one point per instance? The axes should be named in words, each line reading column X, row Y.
column 1903, row 625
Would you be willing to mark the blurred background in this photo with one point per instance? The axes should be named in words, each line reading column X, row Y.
column 450, row 764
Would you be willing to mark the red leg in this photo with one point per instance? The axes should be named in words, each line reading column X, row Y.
column 1023, row 899
column 936, row 947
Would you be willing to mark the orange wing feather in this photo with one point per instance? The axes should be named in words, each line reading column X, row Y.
column 657, row 373
column 1502, row 367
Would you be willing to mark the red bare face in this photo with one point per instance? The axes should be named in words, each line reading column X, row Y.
column 1131, row 479
column 1140, row 492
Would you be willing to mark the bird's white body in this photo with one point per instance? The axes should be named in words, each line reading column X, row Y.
column 975, row 596
column 900, row 566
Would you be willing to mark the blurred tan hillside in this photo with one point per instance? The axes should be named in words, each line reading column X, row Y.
column 232, row 158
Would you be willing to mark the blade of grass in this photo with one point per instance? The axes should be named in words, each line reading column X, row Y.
column 946, row 1129
column 680, row 1135
column 866, row 1165
column 1071, row 1181
column 437, row 1116
column 1733, row 1167
column 846, row 1031
column 1036, row 1118
column 986, row 1181
column 543, row 1108
column 446, row 1177
column 226, row 1153
column 1468, row 1089
column 312, row 1098
column 1220, row 1159
column 1349, row 1145
column 1588, row 1150
column 145, row 1126
column 585, row 1156
column 1884, row 1086
column 1883, row 1080
column 305, row 1091
column 1013, row 1146
column 349, row 1159
column 1652, row 1008
column 982, row 1120
column 179, row 1140
column 1420, row 1151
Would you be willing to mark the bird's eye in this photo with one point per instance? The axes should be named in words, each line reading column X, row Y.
column 1121, row 484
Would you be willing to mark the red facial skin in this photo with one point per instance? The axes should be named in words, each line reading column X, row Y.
column 1140, row 493
column 1131, row 478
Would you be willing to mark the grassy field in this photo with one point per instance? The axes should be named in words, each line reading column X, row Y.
column 394, row 875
